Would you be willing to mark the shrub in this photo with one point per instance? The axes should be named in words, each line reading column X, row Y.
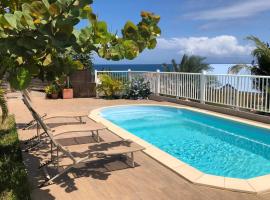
column 138, row 88
column 52, row 89
column 109, row 87
column 13, row 176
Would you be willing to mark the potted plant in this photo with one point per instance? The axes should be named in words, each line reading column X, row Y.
column 109, row 87
column 67, row 91
column 52, row 91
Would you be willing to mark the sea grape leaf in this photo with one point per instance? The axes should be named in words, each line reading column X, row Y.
column 21, row 79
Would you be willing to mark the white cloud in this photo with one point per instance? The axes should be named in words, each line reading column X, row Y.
column 238, row 10
column 221, row 46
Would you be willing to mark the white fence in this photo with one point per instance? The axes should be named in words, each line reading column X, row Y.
column 239, row 91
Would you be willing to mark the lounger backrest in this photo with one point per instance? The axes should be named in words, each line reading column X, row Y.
column 35, row 114
column 44, row 126
column 49, row 133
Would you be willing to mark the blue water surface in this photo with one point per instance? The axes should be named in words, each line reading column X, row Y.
column 211, row 144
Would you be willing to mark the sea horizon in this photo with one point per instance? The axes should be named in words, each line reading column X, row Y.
column 217, row 68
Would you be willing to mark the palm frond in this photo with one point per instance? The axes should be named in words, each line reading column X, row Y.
column 166, row 68
column 195, row 64
column 261, row 49
column 235, row 69
column 175, row 66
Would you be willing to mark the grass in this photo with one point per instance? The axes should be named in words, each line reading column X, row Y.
column 13, row 176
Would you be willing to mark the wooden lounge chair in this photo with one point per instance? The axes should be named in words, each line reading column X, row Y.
column 125, row 148
column 73, row 119
column 67, row 130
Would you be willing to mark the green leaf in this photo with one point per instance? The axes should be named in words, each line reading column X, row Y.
column 27, row 20
column 11, row 19
column 18, row 15
column 38, row 9
column 84, row 35
column 48, row 60
column 130, row 30
column 92, row 18
column 102, row 27
column 131, row 49
column 152, row 44
column 156, row 31
column 3, row 22
column 26, row 8
column 83, row 3
column 85, row 12
column 54, row 9
column 46, row 3
column 21, row 79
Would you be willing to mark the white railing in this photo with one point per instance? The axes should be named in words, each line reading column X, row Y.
column 239, row 91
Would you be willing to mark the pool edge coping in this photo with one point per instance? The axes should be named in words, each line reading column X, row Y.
column 253, row 185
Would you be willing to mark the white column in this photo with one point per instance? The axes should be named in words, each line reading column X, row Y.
column 129, row 75
column 96, row 81
column 237, row 93
column 158, row 83
column 202, row 87
column 96, row 72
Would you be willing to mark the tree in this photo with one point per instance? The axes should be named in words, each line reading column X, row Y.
column 260, row 66
column 3, row 105
column 37, row 34
column 36, row 37
column 86, row 60
column 194, row 64
column 5, row 63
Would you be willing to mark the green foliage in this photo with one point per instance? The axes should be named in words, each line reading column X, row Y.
column 3, row 104
column 20, row 78
column 262, row 57
column 138, row 88
column 37, row 33
column 193, row 64
column 52, row 89
column 85, row 60
column 13, row 176
column 109, row 87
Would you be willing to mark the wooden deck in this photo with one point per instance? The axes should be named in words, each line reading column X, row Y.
column 110, row 179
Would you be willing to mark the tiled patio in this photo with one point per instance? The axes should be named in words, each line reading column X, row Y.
column 109, row 179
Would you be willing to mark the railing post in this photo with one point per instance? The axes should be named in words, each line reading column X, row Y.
column 202, row 87
column 129, row 75
column 237, row 93
column 158, row 83
column 96, row 81
column 96, row 72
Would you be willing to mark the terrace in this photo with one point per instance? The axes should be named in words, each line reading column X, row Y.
column 108, row 179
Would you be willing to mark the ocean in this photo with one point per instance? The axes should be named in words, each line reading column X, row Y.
column 133, row 67
column 217, row 68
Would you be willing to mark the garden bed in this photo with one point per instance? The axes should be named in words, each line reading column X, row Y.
column 13, row 176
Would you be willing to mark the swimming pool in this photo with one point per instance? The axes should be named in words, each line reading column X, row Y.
column 213, row 145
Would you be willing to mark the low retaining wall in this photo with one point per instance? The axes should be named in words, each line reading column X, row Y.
column 228, row 111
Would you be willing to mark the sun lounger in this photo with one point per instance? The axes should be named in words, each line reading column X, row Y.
column 68, row 130
column 95, row 152
column 73, row 119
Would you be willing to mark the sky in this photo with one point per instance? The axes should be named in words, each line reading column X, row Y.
column 215, row 29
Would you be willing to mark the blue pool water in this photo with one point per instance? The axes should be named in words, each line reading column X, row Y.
column 213, row 145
